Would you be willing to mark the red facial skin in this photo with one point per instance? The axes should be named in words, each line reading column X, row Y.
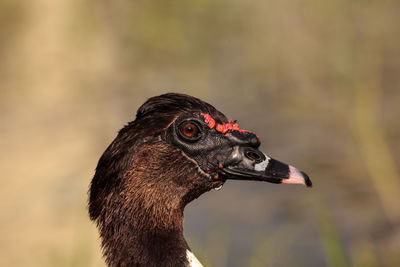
column 208, row 119
column 223, row 128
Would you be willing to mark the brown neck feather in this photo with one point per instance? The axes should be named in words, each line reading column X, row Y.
column 141, row 221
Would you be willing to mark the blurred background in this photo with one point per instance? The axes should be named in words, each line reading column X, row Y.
column 318, row 81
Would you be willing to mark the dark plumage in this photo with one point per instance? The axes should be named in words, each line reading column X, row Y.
column 176, row 149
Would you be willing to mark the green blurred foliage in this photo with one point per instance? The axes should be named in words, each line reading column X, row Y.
column 317, row 80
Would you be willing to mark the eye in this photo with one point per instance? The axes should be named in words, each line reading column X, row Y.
column 190, row 131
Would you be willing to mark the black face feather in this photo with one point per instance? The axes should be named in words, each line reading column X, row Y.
column 210, row 149
column 176, row 149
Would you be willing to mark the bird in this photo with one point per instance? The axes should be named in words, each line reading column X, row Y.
column 177, row 148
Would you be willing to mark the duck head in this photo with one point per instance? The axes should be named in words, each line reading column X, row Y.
column 176, row 149
column 222, row 151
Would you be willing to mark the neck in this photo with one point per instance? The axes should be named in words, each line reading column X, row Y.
column 141, row 218
column 144, row 234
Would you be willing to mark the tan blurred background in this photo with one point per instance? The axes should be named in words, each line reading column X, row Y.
column 317, row 80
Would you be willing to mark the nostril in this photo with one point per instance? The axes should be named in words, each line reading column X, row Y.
column 254, row 155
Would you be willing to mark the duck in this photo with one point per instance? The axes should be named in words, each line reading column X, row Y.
column 177, row 148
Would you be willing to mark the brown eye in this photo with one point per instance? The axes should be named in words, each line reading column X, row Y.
column 190, row 131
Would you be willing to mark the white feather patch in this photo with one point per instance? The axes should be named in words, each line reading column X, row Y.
column 262, row 166
column 193, row 261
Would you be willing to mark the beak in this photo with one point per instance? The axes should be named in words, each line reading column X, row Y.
column 252, row 164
